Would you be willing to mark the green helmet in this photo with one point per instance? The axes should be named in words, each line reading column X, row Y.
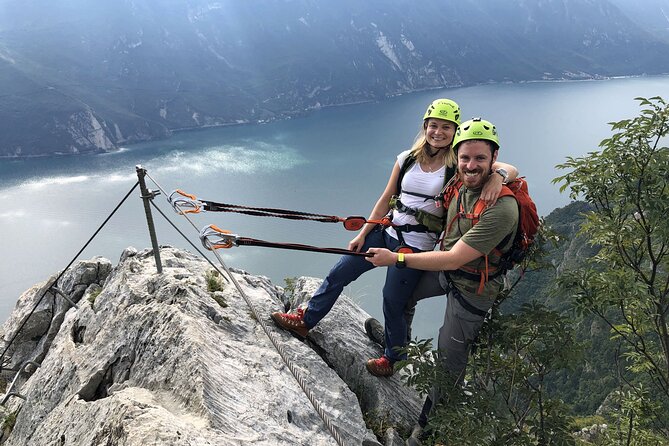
column 476, row 128
column 444, row 109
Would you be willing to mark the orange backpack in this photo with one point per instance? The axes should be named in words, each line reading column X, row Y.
column 528, row 226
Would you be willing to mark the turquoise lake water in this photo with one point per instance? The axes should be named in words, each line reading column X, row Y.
column 333, row 161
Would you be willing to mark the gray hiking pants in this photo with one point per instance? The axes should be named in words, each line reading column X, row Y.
column 458, row 332
column 460, row 326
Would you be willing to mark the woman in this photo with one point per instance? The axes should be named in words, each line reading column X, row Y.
column 417, row 177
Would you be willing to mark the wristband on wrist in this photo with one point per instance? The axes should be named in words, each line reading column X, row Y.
column 400, row 260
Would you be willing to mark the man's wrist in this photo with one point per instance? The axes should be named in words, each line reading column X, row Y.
column 502, row 173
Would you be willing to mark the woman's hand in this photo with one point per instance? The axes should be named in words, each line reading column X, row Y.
column 491, row 189
column 357, row 242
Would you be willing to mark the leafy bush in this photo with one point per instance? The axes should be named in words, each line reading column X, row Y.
column 214, row 281
column 626, row 284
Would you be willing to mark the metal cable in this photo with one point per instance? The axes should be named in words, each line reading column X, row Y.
column 25, row 320
column 279, row 348
column 165, row 194
column 294, row 371
column 247, row 241
column 186, row 238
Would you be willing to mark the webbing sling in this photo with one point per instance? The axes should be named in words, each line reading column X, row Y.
column 213, row 237
column 185, row 203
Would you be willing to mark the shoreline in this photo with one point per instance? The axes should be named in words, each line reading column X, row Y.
column 297, row 114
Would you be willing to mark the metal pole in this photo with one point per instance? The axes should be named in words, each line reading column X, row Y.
column 148, row 195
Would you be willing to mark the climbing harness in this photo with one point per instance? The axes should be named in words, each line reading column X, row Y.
column 523, row 236
column 185, row 203
column 427, row 222
column 486, row 272
column 213, row 237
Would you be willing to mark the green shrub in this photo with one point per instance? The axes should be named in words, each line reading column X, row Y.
column 289, row 289
column 214, row 281
column 220, row 300
column 8, row 423
column 378, row 423
column 94, row 295
column 579, row 423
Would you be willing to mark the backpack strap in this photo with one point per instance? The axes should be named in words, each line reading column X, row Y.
column 482, row 275
column 474, row 215
column 408, row 162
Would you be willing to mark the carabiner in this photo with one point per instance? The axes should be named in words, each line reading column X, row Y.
column 212, row 237
column 190, row 202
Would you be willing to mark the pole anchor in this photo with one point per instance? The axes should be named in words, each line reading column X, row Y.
column 148, row 195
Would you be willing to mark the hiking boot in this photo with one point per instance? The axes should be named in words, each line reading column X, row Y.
column 380, row 367
column 375, row 331
column 293, row 322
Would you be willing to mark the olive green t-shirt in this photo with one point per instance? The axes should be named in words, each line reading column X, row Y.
column 494, row 225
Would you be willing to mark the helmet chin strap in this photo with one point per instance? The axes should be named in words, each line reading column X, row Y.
column 436, row 152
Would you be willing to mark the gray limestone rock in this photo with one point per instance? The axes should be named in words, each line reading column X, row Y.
column 40, row 310
column 341, row 340
column 159, row 359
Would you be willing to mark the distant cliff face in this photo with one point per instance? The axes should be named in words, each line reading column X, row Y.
column 84, row 77
column 166, row 359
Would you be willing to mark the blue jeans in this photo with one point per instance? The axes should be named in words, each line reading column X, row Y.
column 397, row 290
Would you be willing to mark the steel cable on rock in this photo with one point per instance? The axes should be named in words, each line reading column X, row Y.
column 155, row 206
column 39, row 301
column 282, row 353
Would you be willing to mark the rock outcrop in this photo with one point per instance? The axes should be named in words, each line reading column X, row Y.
column 179, row 358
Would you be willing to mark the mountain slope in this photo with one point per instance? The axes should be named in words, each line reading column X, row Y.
column 91, row 76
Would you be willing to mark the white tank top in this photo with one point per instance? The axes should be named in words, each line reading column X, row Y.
column 426, row 183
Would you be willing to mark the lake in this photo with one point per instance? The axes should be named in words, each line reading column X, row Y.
column 334, row 161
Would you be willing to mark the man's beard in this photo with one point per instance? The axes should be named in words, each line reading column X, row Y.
column 479, row 179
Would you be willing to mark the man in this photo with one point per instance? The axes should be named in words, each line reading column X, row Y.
column 464, row 269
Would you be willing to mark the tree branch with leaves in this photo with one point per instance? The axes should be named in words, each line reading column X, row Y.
column 627, row 283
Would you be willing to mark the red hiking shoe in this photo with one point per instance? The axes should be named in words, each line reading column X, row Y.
column 293, row 322
column 380, row 367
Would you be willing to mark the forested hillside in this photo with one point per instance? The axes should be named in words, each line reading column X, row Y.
column 593, row 376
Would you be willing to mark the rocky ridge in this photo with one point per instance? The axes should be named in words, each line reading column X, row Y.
column 164, row 359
